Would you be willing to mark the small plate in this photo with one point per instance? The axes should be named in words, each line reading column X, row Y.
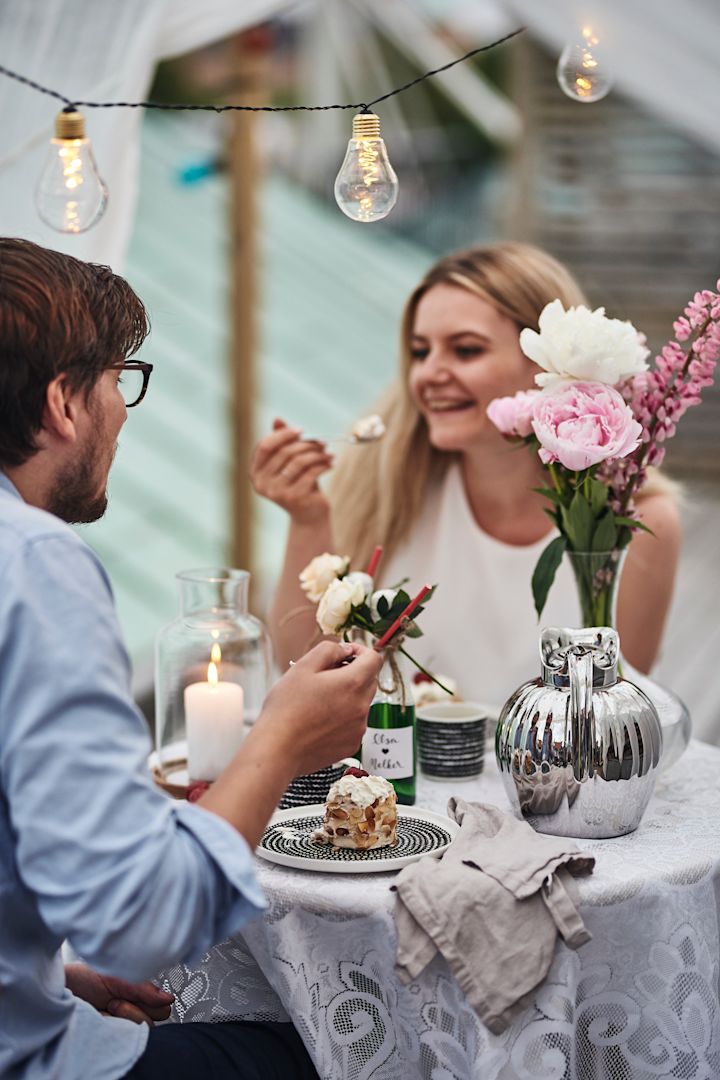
column 287, row 841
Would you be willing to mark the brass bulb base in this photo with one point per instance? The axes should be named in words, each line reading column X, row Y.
column 366, row 126
column 69, row 125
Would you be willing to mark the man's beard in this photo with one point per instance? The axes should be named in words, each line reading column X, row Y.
column 74, row 497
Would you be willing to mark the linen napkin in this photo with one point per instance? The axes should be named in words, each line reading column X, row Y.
column 493, row 904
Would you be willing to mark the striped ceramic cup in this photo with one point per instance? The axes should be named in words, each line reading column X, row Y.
column 451, row 738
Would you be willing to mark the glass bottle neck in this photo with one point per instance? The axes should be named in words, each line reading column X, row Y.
column 391, row 687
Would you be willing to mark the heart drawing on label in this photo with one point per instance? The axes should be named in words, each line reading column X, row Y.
column 385, row 750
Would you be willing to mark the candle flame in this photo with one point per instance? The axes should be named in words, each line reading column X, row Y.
column 215, row 658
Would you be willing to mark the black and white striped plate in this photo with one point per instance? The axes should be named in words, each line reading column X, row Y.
column 287, row 841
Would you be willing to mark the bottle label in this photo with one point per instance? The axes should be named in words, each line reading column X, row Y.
column 388, row 752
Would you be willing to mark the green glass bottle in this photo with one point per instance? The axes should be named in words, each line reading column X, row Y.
column 389, row 744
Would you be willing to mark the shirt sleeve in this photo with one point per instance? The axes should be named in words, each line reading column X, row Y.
column 134, row 880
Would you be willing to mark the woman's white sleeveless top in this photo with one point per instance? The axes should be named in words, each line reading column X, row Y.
column 480, row 627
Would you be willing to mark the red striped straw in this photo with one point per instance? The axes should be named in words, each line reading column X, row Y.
column 376, row 556
column 381, row 642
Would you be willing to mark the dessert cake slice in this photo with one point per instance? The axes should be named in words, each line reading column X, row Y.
column 360, row 813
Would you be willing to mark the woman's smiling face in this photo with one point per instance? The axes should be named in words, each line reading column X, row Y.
column 464, row 353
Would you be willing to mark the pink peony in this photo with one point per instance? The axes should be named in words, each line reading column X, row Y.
column 581, row 424
column 513, row 415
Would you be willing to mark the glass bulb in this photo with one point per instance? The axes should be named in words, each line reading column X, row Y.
column 366, row 188
column 584, row 72
column 71, row 195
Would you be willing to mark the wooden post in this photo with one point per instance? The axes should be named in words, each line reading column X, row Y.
column 244, row 291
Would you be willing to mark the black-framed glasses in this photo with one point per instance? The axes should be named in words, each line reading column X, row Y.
column 134, row 380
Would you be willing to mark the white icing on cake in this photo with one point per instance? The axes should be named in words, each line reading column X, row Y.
column 362, row 790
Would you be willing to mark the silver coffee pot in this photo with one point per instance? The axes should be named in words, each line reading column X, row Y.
column 578, row 749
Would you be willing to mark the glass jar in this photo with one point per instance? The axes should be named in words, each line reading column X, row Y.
column 389, row 746
column 212, row 671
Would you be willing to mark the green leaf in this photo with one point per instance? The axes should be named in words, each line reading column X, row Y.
column 382, row 606
column 598, row 496
column 631, row 523
column 544, row 573
column 605, row 536
column 578, row 521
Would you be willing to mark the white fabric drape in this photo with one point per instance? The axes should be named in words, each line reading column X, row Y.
column 97, row 50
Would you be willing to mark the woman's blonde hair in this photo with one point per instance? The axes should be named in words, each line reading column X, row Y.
column 377, row 494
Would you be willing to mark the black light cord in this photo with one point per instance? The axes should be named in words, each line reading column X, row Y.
column 71, row 105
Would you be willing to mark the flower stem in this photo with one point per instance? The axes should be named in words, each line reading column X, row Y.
column 424, row 670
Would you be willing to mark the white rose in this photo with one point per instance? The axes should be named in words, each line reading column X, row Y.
column 334, row 607
column 363, row 580
column 389, row 595
column 583, row 344
column 336, row 603
column 319, row 573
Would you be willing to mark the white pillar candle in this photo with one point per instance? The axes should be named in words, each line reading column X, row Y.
column 213, row 724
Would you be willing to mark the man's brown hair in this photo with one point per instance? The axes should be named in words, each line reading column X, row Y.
column 58, row 315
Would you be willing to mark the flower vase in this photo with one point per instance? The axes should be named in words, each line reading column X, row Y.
column 596, row 577
column 597, row 574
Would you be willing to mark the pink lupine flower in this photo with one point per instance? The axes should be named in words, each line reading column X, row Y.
column 581, row 424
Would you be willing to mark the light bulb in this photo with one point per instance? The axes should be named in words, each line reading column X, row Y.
column 71, row 195
column 366, row 188
column 584, row 72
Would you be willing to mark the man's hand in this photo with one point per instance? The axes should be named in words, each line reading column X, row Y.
column 320, row 705
column 313, row 716
column 143, row 1003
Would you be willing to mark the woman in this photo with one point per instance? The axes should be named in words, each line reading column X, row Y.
column 451, row 501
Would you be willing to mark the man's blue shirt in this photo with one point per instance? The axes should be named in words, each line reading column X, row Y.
column 89, row 849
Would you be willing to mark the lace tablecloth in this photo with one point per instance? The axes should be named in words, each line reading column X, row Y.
column 640, row 1000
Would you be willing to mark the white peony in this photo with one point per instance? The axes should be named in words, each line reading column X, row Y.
column 319, row 573
column 389, row 595
column 583, row 344
column 334, row 607
column 357, row 577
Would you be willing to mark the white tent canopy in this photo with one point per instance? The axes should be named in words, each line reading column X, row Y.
column 96, row 51
column 664, row 56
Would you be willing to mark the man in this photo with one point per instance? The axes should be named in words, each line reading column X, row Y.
column 89, row 849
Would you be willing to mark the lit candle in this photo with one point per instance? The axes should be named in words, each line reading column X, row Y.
column 213, row 722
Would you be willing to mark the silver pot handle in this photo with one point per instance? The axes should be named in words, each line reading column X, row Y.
column 582, row 718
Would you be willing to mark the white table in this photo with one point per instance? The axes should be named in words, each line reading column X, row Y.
column 640, row 1001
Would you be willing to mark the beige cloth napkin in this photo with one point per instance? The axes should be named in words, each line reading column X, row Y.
column 493, row 904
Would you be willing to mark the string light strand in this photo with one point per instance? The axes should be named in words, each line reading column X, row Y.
column 363, row 106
